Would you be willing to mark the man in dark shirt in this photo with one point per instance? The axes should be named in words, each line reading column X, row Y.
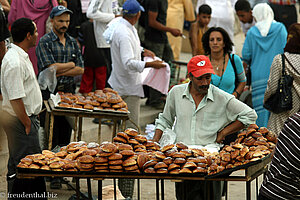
column 156, row 38
column 60, row 50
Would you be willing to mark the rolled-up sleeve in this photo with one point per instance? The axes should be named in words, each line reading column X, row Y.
column 237, row 110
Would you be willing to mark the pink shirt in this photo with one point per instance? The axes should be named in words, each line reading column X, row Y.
column 38, row 11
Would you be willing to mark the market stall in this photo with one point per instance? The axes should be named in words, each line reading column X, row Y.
column 79, row 107
column 132, row 156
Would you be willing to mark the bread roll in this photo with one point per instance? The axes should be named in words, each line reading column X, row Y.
column 129, row 162
column 149, row 170
column 167, row 147
column 115, row 162
column 86, row 159
column 185, row 171
column 162, row 171
column 131, row 132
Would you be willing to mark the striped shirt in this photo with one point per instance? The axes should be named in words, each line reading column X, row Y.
column 283, row 2
column 50, row 50
column 282, row 181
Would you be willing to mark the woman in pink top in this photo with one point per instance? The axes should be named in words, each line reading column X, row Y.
column 36, row 10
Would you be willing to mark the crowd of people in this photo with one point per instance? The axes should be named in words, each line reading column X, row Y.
column 102, row 43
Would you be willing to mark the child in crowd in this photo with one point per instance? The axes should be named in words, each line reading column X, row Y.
column 198, row 28
column 94, row 68
column 244, row 12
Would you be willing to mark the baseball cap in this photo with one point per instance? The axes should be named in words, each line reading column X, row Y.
column 200, row 65
column 58, row 10
column 132, row 7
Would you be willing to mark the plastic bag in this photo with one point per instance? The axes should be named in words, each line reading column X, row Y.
column 168, row 137
column 47, row 78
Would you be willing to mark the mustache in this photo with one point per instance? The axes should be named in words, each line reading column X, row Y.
column 204, row 87
column 65, row 28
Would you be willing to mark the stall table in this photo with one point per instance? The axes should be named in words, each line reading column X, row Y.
column 79, row 114
column 251, row 173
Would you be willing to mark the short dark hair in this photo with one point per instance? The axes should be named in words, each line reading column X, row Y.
column 242, row 5
column 227, row 41
column 205, row 9
column 20, row 28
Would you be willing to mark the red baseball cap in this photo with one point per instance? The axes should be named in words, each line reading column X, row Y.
column 200, row 65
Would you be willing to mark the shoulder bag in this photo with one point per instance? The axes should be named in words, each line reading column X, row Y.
column 281, row 100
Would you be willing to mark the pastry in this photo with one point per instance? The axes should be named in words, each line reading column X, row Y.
column 162, row 171
column 185, row 171
column 167, row 147
column 131, row 132
column 115, row 156
column 180, row 146
column 122, row 147
column 129, row 162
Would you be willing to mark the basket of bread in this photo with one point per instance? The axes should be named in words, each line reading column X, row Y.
column 131, row 152
column 100, row 100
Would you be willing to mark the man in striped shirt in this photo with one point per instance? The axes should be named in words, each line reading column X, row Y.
column 282, row 181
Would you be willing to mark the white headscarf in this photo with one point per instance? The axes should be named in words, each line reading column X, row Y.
column 264, row 17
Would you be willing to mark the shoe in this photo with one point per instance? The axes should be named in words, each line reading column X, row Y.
column 56, row 183
column 107, row 122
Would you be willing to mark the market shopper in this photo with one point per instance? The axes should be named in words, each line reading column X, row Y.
column 156, row 40
column 204, row 115
column 127, row 67
column 22, row 102
column 198, row 29
column 282, row 180
column 59, row 50
column 244, row 13
column 263, row 41
column 229, row 72
column 292, row 57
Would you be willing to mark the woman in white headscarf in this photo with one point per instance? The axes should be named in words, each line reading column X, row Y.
column 263, row 41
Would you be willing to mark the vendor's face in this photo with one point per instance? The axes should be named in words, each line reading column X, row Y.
column 201, row 84
column 61, row 23
column 245, row 17
column 216, row 41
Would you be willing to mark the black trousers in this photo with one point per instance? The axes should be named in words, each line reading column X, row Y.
column 199, row 190
column 19, row 145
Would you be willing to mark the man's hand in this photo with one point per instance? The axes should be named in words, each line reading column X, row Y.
column 155, row 64
column 220, row 137
column 175, row 32
column 27, row 126
column 148, row 53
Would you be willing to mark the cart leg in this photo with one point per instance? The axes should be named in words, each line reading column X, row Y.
column 256, row 185
column 79, row 129
column 139, row 189
column 123, row 126
column 99, row 131
column 75, row 128
column 248, row 190
column 88, row 180
column 51, row 131
column 114, row 129
column 115, row 189
column 77, row 188
column 226, row 187
column 157, row 189
column 162, row 189
column 99, row 189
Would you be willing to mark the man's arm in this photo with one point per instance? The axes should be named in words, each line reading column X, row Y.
column 231, row 128
column 157, row 135
column 19, row 109
column 71, row 72
column 94, row 12
column 193, row 37
column 156, row 25
column 2, row 51
column 63, row 67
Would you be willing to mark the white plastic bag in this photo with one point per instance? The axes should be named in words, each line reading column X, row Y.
column 47, row 78
column 168, row 137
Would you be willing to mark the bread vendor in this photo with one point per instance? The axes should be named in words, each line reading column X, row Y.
column 204, row 115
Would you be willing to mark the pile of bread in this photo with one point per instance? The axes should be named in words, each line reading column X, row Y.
column 131, row 152
column 106, row 99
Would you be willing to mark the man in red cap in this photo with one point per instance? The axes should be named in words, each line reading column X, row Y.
column 204, row 116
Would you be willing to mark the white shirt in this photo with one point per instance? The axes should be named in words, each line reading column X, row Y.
column 101, row 11
column 247, row 26
column 18, row 80
column 126, row 60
